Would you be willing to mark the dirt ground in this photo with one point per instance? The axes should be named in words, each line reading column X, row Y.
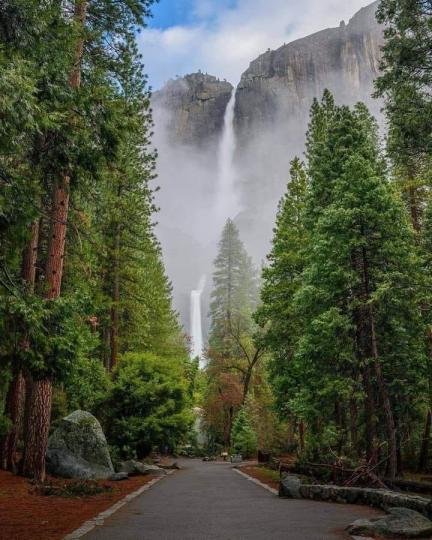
column 25, row 515
column 264, row 475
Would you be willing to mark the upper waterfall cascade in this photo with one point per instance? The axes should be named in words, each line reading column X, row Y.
column 227, row 204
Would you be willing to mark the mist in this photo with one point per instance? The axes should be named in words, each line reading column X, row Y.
column 240, row 171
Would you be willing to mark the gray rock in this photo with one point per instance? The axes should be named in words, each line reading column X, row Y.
column 192, row 108
column 135, row 468
column 399, row 523
column 119, row 476
column 289, row 487
column 78, row 449
column 171, row 466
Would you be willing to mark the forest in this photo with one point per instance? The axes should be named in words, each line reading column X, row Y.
column 325, row 353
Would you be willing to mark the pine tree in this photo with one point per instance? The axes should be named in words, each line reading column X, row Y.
column 404, row 84
column 360, row 269
column 233, row 354
column 234, row 293
column 281, row 280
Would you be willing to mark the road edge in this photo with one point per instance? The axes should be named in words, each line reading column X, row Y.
column 99, row 520
column 257, row 482
column 275, row 492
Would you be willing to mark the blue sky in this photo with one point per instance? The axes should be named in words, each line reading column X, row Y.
column 171, row 12
column 168, row 13
column 221, row 37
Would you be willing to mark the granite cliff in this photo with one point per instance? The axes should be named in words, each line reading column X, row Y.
column 284, row 82
column 192, row 108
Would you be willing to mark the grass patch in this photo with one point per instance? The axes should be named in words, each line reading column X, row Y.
column 271, row 474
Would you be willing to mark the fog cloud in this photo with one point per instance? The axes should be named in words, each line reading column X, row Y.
column 222, row 40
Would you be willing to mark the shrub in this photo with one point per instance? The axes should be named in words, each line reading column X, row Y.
column 244, row 439
column 148, row 405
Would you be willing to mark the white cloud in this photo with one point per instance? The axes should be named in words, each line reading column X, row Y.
column 223, row 41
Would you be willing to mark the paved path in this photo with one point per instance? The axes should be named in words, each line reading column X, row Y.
column 209, row 501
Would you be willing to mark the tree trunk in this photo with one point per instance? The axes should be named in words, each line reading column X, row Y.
column 15, row 401
column 369, row 337
column 302, row 435
column 29, row 258
column 40, row 399
column 369, row 406
column 115, row 299
column 388, row 413
column 424, row 450
column 353, row 427
column 80, row 18
column 362, row 343
column 246, row 383
column 37, row 436
column 14, row 410
column 414, row 209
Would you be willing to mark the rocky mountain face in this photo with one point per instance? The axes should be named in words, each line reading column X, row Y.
column 273, row 101
column 271, row 113
column 192, row 108
column 284, row 82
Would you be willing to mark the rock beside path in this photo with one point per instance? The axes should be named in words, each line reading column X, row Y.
column 118, row 476
column 78, row 449
column 134, row 468
column 289, row 487
column 398, row 523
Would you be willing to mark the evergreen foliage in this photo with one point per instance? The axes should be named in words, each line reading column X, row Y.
column 148, row 405
column 340, row 304
column 75, row 142
column 244, row 439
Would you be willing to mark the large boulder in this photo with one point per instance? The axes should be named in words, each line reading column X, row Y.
column 289, row 487
column 135, row 468
column 78, row 449
column 398, row 523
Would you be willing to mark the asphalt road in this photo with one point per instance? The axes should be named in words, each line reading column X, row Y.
column 209, row 501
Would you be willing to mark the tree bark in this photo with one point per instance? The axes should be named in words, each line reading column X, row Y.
column 302, row 435
column 37, row 426
column 80, row 17
column 369, row 337
column 15, row 401
column 37, row 436
column 388, row 413
column 414, row 209
column 115, row 300
column 14, row 410
column 369, row 406
column 424, row 450
column 353, row 426
column 363, row 353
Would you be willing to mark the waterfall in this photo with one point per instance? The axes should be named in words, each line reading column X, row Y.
column 226, row 206
column 226, row 201
column 196, row 322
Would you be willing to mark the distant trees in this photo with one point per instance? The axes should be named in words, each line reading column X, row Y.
column 233, row 355
column 235, row 290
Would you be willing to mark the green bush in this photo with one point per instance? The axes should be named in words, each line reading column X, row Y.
column 244, row 439
column 148, row 405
